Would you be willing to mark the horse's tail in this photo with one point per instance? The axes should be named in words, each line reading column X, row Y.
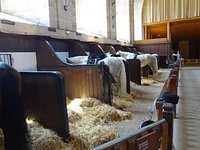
column 13, row 121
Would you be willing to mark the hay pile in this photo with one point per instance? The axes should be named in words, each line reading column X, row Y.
column 41, row 138
column 123, row 101
column 95, row 124
column 136, row 90
column 148, row 81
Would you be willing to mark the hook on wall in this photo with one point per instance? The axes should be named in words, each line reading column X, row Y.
column 66, row 4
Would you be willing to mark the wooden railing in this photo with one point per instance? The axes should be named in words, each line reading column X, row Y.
column 152, row 137
column 171, row 85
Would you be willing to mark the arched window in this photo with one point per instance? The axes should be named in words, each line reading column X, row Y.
column 91, row 17
column 123, row 20
column 27, row 11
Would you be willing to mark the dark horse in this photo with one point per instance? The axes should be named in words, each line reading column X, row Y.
column 12, row 116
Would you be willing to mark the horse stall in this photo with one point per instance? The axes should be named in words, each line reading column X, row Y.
column 43, row 95
column 96, row 52
column 39, row 96
column 162, row 47
column 81, row 80
column 108, row 48
column 149, row 62
column 144, row 71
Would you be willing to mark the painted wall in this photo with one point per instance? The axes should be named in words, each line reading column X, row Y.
column 22, row 61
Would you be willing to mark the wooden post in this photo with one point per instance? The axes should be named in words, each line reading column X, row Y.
column 168, row 115
column 145, row 32
column 159, row 105
column 168, row 31
column 164, row 141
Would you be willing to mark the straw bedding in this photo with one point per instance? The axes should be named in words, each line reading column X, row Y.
column 95, row 124
column 123, row 101
column 45, row 139
column 148, row 81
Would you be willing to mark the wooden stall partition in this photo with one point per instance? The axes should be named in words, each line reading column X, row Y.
column 162, row 47
column 80, row 80
column 171, row 85
column 120, row 48
column 168, row 115
column 152, row 137
column 95, row 49
column 108, row 48
column 133, row 49
column 134, row 64
column 73, row 47
column 43, row 94
column 135, row 71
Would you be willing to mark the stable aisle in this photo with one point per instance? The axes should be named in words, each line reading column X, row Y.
column 187, row 123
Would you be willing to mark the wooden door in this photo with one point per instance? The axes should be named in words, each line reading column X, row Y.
column 184, row 49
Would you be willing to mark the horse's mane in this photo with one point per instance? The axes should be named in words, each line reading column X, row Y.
column 12, row 116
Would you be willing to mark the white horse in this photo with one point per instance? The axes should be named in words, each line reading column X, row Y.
column 145, row 59
column 116, row 67
column 118, row 71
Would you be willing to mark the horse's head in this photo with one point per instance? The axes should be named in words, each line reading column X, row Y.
column 93, row 59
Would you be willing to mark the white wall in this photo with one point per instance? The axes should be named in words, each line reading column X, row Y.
column 62, row 56
column 23, row 61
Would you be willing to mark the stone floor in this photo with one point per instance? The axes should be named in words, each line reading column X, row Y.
column 143, row 103
column 187, row 123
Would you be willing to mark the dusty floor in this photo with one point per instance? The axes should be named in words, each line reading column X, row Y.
column 143, row 103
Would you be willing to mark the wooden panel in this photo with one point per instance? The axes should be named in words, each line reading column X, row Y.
column 161, row 47
column 108, row 48
column 17, row 43
column 135, row 71
column 156, row 31
column 148, row 142
column 96, row 49
column 43, row 94
column 80, row 80
column 71, row 46
column 184, row 49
